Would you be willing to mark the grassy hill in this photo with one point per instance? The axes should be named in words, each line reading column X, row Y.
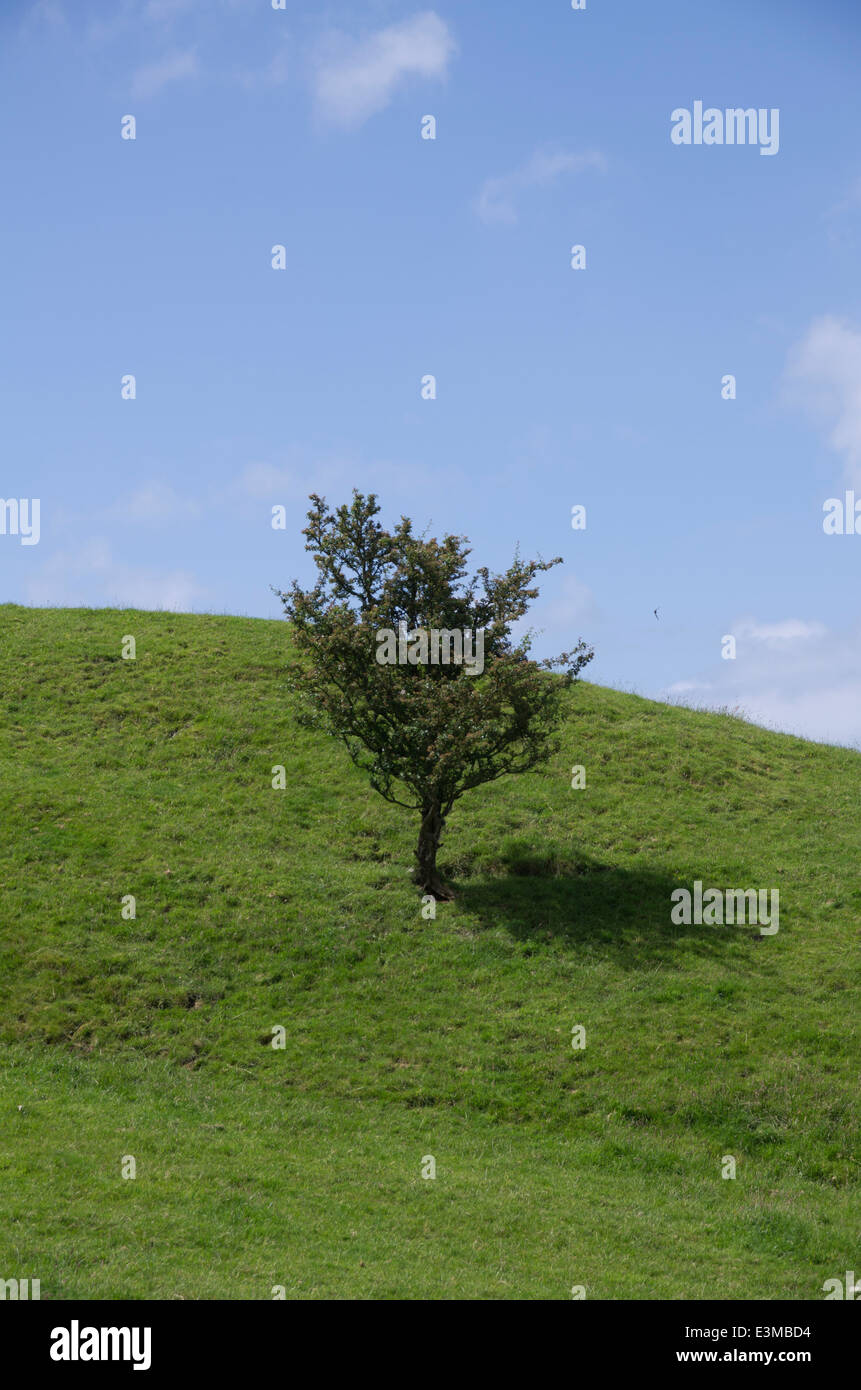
column 256, row 908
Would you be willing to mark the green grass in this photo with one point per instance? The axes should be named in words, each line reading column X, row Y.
column 301, row 1166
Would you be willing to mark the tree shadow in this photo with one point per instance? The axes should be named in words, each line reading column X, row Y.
column 594, row 908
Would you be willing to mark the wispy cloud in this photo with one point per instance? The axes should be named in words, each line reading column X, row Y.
column 297, row 475
column 776, row 636
column 91, row 577
column 154, row 501
column 574, row 604
column 796, row 675
column 172, row 68
column 826, row 366
column 498, row 197
column 355, row 80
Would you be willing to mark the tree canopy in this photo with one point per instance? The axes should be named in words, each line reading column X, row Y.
column 424, row 731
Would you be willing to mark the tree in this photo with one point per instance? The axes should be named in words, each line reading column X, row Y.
column 371, row 670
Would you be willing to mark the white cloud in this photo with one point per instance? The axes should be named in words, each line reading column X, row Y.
column 776, row 635
column 91, row 578
column 827, row 715
column 154, row 502
column 560, row 619
column 264, row 482
column 826, row 367
column 798, row 676
column 334, row 475
column 172, row 68
column 498, row 196
column 355, row 80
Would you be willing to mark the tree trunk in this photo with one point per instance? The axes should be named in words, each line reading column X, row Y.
column 429, row 837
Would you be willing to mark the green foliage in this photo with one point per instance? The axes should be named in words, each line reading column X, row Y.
column 426, row 731
column 434, row 729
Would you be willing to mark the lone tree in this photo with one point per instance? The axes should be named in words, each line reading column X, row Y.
column 424, row 730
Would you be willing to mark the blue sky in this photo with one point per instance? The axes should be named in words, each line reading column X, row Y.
column 602, row 386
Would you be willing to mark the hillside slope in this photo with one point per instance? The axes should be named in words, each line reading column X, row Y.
column 257, row 908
